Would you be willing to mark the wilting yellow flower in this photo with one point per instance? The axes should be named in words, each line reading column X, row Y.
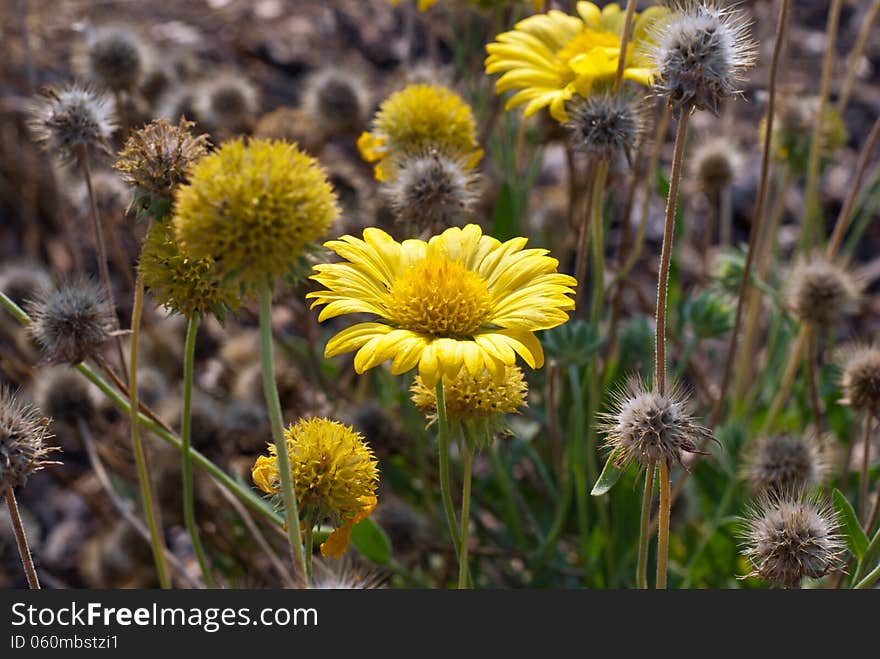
column 334, row 474
column 181, row 284
column 549, row 58
column 460, row 299
column 470, row 397
column 417, row 119
column 251, row 208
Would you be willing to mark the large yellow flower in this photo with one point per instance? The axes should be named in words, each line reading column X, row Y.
column 460, row 299
column 549, row 58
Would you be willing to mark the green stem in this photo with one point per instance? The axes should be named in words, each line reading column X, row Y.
column 663, row 528
column 24, row 551
column 273, row 405
column 644, row 528
column 863, row 473
column 868, row 581
column 579, row 440
column 598, row 240
column 465, row 513
column 309, row 534
column 189, row 510
column 443, row 449
column 151, row 511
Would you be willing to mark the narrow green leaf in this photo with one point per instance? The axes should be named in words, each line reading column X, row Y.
column 611, row 473
column 856, row 539
column 372, row 541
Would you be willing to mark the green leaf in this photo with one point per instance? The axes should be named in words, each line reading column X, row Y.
column 372, row 541
column 610, row 475
column 856, row 539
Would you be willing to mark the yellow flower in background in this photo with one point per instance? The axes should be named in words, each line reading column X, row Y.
column 459, row 299
column 424, row 5
column 549, row 58
column 334, row 473
column 415, row 120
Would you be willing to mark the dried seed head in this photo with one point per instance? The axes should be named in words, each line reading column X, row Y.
column 701, row 54
column 22, row 281
column 605, row 125
column 178, row 103
column 336, row 100
column 791, row 537
column 861, row 377
column 716, row 163
column 227, row 102
column 648, row 427
column 431, row 191
column 71, row 120
column 155, row 160
column 778, row 464
column 71, row 322
column 292, row 125
column 822, row 292
column 64, row 395
column 113, row 56
column 23, row 436
column 344, row 575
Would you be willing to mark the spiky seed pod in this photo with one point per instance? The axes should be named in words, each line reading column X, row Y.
column 228, row 102
column 715, row 164
column 24, row 434
column 605, row 125
column 336, row 100
column 178, row 103
column 114, row 56
column 470, row 398
column 861, row 377
column 701, row 54
column 334, row 470
column 180, row 283
column 252, row 208
column 431, row 191
column 69, row 120
column 343, row 575
column 156, row 159
column 22, row 281
column 778, row 464
column 790, row 537
column 64, row 396
column 822, row 292
column 648, row 427
column 291, row 125
column 71, row 322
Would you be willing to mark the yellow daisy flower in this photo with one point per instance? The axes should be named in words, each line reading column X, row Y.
column 417, row 119
column 549, row 58
column 459, row 299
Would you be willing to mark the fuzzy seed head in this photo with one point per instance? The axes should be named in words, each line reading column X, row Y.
column 469, row 397
column 649, row 427
column 114, row 57
column 337, row 100
column 24, row 434
column 156, row 159
column 822, row 292
column 701, row 54
column 334, row 470
column 778, row 464
column 861, row 377
column 22, row 281
column 605, row 126
column 252, row 209
column 227, row 102
column 70, row 120
column 180, row 283
column 791, row 537
column 64, row 395
column 431, row 191
column 716, row 163
column 71, row 322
